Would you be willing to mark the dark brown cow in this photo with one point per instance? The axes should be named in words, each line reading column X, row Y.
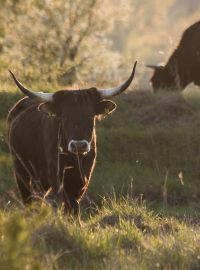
column 183, row 67
column 52, row 139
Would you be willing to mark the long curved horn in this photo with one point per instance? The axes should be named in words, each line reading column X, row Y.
column 107, row 93
column 34, row 95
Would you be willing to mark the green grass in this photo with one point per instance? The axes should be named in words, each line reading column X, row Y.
column 148, row 150
column 138, row 153
column 122, row 234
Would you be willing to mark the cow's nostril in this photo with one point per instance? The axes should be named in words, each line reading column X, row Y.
column 73, row 146
column 84, row 145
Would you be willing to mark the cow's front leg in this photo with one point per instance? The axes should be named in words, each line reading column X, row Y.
column 72, row 207
column 74, row 183
column 23, row 181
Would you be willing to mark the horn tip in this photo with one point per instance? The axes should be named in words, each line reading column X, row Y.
column 134, row 67
column 12, row 74
column 135, row 64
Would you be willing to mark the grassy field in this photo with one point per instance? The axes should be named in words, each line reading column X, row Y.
column 142, row 208
column 122, row 234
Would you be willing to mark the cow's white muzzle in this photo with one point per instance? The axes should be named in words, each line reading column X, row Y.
column 78, row 146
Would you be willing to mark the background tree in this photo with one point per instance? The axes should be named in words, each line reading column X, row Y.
column 64, row 40
column 93, row 41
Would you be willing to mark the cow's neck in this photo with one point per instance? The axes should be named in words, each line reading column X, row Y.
column 178, row 77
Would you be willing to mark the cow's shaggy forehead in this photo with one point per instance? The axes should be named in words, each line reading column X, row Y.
column 86, row 95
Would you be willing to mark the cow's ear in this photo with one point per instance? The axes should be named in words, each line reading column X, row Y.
column 47, row 108
column 105, row 107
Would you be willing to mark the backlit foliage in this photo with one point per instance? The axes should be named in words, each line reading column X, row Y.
column 62, row 39
column 89, row 41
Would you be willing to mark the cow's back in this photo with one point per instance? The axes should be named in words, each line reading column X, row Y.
column 191, row 32
column 19, row 107
column 189, row 46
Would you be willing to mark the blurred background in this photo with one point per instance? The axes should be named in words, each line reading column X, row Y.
column 91, row 41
